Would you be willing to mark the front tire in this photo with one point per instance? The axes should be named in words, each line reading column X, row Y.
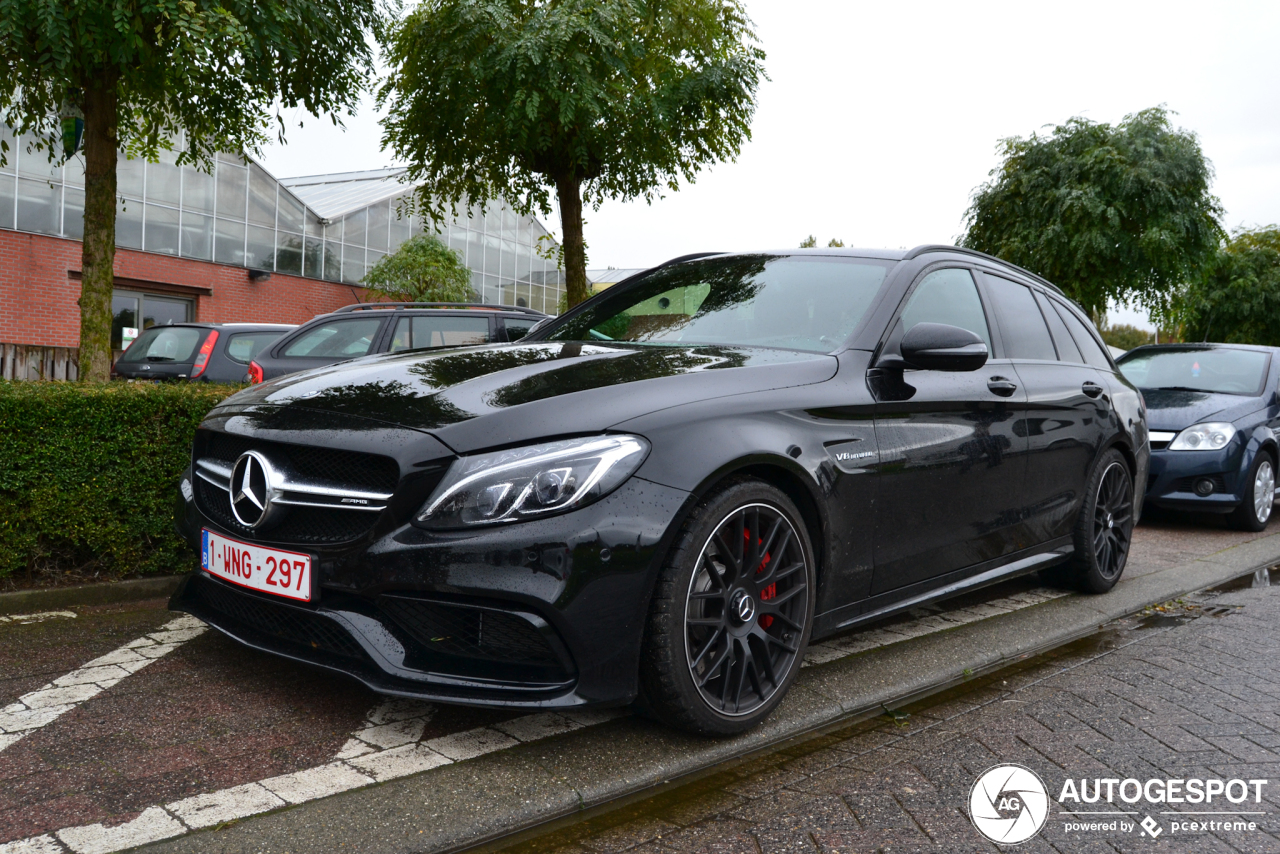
column 732, row 612
column 1103, row 530
column 1259, row 494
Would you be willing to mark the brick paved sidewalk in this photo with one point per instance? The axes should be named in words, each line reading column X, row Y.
column 1191, row 696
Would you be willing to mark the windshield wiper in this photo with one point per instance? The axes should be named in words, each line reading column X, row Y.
column 1180, row 388
column 160, row 359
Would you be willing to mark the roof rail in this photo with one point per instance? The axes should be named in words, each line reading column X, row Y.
column 366, row 306
column 940, row 247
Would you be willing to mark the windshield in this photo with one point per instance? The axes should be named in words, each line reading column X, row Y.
column 1219, row 370
column 796, row 302
column 165, row 344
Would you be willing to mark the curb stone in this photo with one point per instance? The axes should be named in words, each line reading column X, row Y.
column 105, row 593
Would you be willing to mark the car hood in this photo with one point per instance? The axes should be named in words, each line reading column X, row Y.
column 480, row 397
column 1177, row 410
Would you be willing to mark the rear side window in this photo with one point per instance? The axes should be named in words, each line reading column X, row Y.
column 1067, row 349
column 243, row 346
column 440, row 331
column 336, row 339
column 165, row 344
column 947, row 296
column 1022, row 326
column 517, row 328
column 1089, row 346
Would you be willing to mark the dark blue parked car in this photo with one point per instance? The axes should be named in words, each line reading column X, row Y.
column 1212, row 412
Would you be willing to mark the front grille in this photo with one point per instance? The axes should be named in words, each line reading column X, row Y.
column 303, row 525
column 1188, row 484
column 470, row 632
column 348, row 470
column 293, row 626
column 344, row 469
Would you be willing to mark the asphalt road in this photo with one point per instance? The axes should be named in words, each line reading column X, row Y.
column 126, row 724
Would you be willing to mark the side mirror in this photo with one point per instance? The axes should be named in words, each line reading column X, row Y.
column 940, row 347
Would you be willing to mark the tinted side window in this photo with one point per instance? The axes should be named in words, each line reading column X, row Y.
column 1021, row 324
column 517, row 328
column 947, row 296
column 1067, row 349
column 439, row 331
column 336, row 339
column 1089, row 346
column 243, row 346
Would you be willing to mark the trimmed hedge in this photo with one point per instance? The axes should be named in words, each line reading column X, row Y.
column 89, row 476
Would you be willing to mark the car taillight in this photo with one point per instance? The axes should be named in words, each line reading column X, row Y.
column 255, row 372
column 202, row 358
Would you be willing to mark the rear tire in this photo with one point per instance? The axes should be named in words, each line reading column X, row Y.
column 1259, row 494
column 732, row 613
column 1103, row 530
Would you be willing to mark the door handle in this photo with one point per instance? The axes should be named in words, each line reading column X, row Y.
column 1091, row 389
column 1002, row 386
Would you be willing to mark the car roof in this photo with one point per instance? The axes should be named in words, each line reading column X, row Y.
column 1207, row 345
column 196, row 324
column 887, row 255
column 437, row 308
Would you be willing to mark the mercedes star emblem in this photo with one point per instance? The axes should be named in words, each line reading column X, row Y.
column 253, row 487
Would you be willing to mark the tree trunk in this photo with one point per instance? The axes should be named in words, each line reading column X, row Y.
column 98, row 254
column 569, row 191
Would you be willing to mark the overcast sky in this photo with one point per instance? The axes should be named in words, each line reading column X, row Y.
column 880, row 118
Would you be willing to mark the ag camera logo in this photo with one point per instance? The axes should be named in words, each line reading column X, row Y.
column 1009, row 804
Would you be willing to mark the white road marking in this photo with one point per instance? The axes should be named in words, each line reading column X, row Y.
column 41, row 707
column 225, row 805
column 388, row 745
column 24, row 619
column 36, row 845
column 154, row 824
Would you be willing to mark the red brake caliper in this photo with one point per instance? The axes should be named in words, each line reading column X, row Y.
column 769, row 592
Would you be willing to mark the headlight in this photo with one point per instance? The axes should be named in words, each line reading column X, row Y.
column 537, row 480
column 1203, row 437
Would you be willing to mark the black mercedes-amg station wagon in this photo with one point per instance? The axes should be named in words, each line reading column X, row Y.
column 666, row 493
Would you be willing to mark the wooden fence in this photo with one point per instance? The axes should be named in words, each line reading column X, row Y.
column 33, row 362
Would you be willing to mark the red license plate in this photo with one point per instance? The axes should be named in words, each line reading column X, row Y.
column 275, row 571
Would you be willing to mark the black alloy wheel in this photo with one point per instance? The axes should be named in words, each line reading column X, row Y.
column 1113, row 520
column 732, row 615
column 1104, row 528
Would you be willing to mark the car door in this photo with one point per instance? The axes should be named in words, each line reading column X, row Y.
column 1067, row 403
column 951, row 463
column 324, row 343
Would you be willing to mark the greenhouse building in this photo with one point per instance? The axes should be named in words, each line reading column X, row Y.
column 234, row 245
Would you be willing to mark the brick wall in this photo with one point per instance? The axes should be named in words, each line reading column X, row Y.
column 38, row 297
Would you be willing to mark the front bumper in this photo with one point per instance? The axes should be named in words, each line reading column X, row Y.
column 1173, row 475
column 546, row 614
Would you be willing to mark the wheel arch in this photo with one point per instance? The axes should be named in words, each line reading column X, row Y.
column 786, row 475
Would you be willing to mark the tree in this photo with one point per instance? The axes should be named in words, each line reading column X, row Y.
column 140, row 72
column 1119, row 213
column 809, row 242
column 835, row 243
column 422, row 270
column 1124, row 336
column 1238, row 300
column 594, row 99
